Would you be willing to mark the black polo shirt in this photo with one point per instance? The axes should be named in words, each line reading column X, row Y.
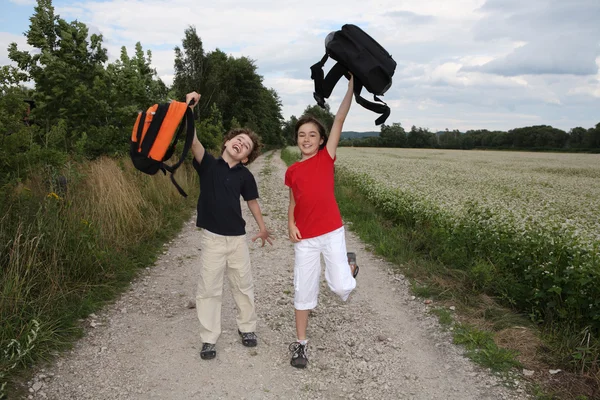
column 219, row 209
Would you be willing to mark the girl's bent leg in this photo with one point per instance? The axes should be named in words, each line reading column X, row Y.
column 338, row 272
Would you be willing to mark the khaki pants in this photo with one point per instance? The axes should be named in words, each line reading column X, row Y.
column 220, row 254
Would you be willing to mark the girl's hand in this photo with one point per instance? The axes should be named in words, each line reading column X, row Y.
column 294, row 233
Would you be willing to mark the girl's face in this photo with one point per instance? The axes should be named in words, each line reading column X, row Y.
column 309, row 140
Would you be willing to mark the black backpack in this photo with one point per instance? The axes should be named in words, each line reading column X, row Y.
column 357, row 52
column 155, row 135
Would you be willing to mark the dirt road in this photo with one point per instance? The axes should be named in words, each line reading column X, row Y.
column 381, row 344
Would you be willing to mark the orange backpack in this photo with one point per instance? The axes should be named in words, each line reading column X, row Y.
column 155, row 135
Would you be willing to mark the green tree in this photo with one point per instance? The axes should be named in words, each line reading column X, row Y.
column 421, row 138
column 450, row 139
column 322, row 114
column 190, row 71
column 68, row 72
column 592, row 137
column 392, row 135
column 576, row 137
column 210, row 129
column 288, row 131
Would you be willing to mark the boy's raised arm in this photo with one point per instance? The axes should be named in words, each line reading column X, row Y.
column 197, row 148
column 340, row 117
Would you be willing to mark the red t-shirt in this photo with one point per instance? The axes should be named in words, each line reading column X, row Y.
column 316, row 211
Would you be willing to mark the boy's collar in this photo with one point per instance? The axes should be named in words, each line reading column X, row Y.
column 238, row 165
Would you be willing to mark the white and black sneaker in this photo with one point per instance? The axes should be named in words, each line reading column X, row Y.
column 299, row 357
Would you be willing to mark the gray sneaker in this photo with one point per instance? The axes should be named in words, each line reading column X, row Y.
column 353, row 265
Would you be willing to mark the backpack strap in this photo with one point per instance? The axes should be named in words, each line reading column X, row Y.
column 135, row 144
column 379, row 108
column 153, row 129
column 188, row 123
column 324, row 84
column 317, row 75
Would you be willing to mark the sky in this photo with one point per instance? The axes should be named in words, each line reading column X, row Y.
column 461, row 64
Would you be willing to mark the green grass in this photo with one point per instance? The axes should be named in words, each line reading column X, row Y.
column 444, row 316
column 482, row 349
column 65, row 255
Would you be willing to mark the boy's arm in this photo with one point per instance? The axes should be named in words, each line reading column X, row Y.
column 263, row 233
column 197, row 148
column 294, row 233
column 340, row 117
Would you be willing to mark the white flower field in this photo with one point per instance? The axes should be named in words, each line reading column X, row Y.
column 533, row 218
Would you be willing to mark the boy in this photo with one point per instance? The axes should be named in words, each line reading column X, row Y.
column 222, row 181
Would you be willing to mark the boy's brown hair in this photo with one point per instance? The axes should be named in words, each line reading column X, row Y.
column 305, row 119
column 256, row 143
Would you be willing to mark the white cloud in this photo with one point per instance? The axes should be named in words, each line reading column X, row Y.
column 461, row 63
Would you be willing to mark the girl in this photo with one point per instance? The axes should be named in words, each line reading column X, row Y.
column 314, row 222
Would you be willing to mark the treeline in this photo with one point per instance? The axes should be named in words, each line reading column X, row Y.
column 82, row 105
column 540, row 137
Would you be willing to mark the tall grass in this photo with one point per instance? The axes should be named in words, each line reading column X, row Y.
column 67, row 249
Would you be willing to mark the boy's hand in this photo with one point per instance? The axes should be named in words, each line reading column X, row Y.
column 295, row 236
column 264, row 235
column 192, row 96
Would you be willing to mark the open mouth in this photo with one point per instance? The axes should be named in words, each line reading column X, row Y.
column 237, row 148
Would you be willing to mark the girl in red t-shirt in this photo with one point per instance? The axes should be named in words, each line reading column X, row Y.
column 314, row 221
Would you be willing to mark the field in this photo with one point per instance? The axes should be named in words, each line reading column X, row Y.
column 525, row 227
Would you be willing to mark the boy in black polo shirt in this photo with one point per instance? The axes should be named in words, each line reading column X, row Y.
column 222, row 181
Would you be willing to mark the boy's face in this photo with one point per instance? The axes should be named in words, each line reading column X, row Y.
column 239, row 147
column 309, row 139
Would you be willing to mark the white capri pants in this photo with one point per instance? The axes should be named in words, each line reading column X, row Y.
column 307, row 268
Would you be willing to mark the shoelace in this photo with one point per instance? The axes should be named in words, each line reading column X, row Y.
column 249, row 335
column 298, row 349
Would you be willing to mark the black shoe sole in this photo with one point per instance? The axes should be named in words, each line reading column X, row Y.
column 208, row 355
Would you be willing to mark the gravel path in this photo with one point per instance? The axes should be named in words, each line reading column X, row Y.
column 381, row 344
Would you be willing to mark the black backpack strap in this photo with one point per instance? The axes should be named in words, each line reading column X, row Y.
column 324, row 84
column 188, row 122
column 169, row 168
column 317, row 75
column 332, row 78
column 379, row 108
column 153, row 129
column 135, row 146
